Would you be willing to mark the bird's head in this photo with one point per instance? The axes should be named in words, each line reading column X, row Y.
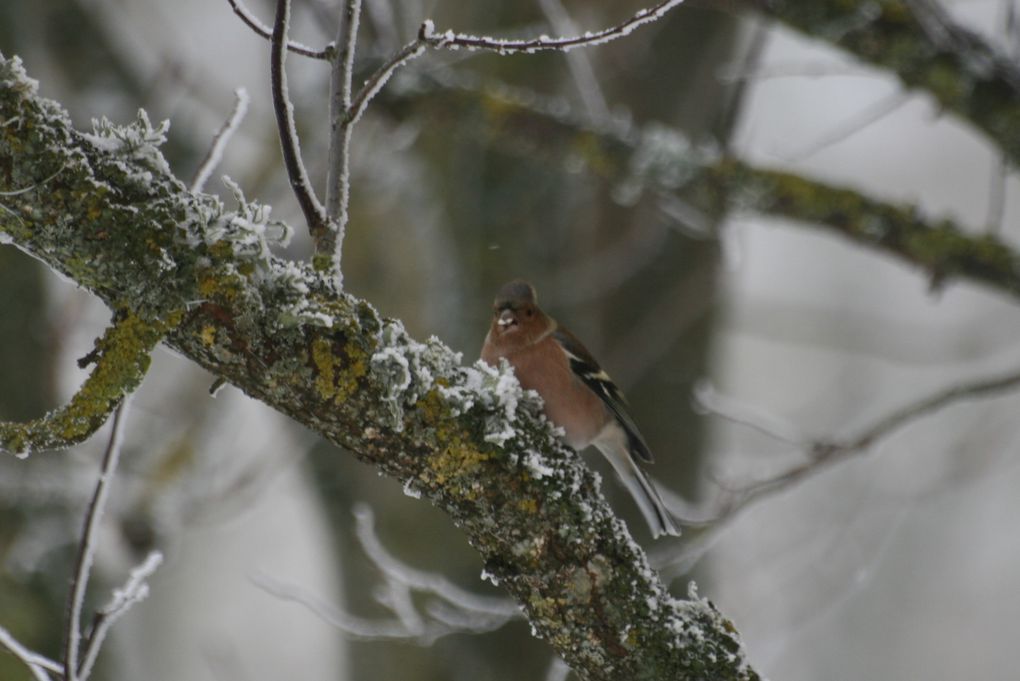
column 516, row 315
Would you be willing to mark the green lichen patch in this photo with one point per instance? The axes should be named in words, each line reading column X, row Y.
column 121, row 357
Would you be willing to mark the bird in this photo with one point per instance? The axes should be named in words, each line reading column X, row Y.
column 578, row 395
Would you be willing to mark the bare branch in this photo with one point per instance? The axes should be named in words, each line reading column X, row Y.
column 926, row 50
column 220, row 140
column 452, row 41
column 261, row 29
column 452, row 611
column 338, row 183
column 377, row 80
column 87, row 548
column 860, row 120
column 709, row 400
column 823, row 453
column 38, row 664
column 315, row 216
column 135, row 590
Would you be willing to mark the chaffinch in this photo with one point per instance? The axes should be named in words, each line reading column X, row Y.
column 579, row 396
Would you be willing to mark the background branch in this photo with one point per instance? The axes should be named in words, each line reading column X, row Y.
column 926, row 50
column 649, row 160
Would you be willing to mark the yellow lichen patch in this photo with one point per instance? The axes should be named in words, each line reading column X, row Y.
column 528, row 505
column 347, row 380
column 325, row 368
column 208, row 335
column 457, row 462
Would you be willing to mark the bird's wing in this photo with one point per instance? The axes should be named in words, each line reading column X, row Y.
column 598, row 381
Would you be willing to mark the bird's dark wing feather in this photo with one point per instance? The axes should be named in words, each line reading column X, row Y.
column 593, row 376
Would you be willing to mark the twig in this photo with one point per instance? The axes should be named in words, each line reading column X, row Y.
column 338, row 186
column 709, row 400
column 261, row 29
column 87, row 549
column 377, row 80
column 136, row 589
column 824, row 453
column 38, row 664
column 315, row 216
column 220, row 140
column 700, row 535
column 454, row 610
column 451, row 40
column 860, row 120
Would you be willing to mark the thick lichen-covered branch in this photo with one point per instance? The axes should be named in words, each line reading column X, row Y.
column 121, row 359
column 103, row 209
column 921, row 45
column 661, row 161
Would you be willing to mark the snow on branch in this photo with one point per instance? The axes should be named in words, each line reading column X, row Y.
column 453, row 41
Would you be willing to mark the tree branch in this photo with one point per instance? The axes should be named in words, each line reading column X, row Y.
column 323, row 233
column 663, row 163
column 918, row 42
column 821, row 454
column 466, row 439
column 338, row 178
column 122, row 358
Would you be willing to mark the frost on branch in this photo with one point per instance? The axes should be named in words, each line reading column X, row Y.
column 138, row 143
column 407, row 369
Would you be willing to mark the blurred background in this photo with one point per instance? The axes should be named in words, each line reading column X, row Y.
column 900, row 563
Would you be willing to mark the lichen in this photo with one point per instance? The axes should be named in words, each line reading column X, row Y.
column 122, row 356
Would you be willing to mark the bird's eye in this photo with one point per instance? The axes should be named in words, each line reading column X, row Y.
column 529, row 312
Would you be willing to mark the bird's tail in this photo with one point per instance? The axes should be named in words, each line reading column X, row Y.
column 648, row 500
column 658, row 517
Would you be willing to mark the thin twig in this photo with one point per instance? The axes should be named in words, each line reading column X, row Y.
column 134, row 590
column 261, row 29
column 451, row 40
column 338, row 186
column 220, row 140
column 700, row 535
column 38, row 664
column 823, row 453
column 87, row 549
column 377, row 80
column 452, row 610
column 315, row 216
column 860, row 120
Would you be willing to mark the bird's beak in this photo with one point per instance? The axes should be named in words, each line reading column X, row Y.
column 506, row 319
